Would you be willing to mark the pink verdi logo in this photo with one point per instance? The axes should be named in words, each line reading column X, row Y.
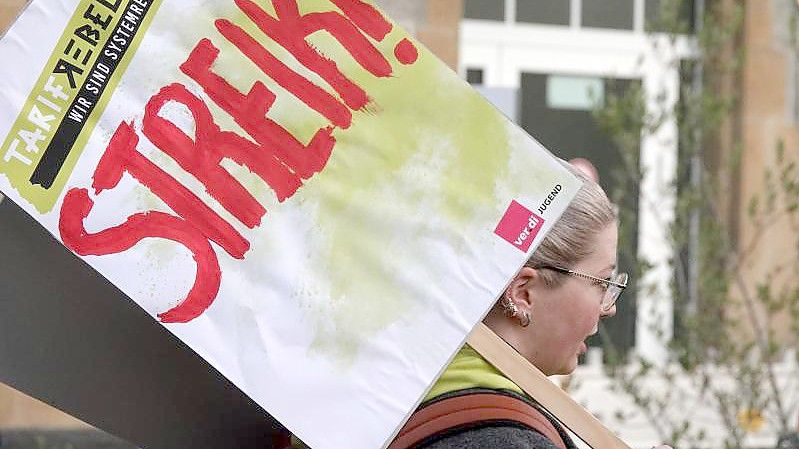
column 519, row 226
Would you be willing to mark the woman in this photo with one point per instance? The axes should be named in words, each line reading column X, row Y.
column 550, row 307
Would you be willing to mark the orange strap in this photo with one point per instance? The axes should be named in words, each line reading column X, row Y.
column 472, row 409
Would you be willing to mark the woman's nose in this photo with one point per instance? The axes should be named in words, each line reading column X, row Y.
column 608, row 313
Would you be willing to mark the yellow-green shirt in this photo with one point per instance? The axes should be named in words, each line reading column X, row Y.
column 470, row 370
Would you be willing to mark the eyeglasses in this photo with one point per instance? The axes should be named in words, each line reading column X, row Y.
column 613, row 286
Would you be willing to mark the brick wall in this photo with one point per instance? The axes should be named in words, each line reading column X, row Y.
column 9, row 10
column 433, row 22
column 769, row 116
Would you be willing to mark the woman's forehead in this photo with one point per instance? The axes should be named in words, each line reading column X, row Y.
column 603, row 255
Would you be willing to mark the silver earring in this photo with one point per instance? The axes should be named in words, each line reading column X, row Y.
column 508, row 306
column 526, row 319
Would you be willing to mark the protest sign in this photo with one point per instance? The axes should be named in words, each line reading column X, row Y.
column 297, row 190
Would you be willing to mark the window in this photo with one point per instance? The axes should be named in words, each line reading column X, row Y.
column 484, row 9
column 543, row 11
column 658, row 13
column 617, row 14
column 474, row 76
column 574, row 92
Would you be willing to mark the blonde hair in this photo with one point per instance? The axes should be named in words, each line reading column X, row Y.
column 571, row 238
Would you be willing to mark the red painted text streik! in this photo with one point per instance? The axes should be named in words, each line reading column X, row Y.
column 275, row 155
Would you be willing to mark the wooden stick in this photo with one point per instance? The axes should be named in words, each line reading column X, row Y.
column 530, row 379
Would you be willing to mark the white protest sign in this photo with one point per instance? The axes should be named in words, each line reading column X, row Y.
column 298, row 190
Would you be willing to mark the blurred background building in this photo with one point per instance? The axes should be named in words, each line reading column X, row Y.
column 549, row 65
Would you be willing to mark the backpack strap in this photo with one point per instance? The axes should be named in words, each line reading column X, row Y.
column 469, row 411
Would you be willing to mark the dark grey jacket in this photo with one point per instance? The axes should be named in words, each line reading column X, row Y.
column 497, row 435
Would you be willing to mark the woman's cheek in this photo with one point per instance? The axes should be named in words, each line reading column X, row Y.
column 588, row 321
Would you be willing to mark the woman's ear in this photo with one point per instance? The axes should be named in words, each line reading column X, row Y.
column 519, row 290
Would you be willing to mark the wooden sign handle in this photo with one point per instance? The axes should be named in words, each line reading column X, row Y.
column 530, row 379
